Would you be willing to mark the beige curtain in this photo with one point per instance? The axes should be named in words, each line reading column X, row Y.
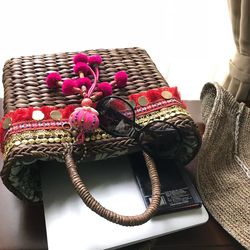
column 238, row 80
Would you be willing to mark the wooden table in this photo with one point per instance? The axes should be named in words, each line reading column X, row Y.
column 22, row 225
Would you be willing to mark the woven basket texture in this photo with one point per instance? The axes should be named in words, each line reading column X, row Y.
column 24, row 86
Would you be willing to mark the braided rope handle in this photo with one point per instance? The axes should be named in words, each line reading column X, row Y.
column 94, row 205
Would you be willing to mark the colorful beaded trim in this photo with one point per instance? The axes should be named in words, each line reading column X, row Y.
column 152, row 96
column 37, row 137
column 50, row 118
column 162, row 114
column 32, row 118
column 59, row 136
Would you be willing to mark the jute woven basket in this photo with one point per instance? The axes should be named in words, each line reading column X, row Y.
column 24, row 87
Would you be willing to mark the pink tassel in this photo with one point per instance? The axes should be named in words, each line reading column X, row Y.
column 52, row 79
column 121, row 79
column 68, row 87
column 81, row 67
column 106, row 88
column 80, row 57
column 95, row 60
column 85, row 81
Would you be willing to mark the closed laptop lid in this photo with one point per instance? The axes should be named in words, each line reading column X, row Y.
column 72, row 225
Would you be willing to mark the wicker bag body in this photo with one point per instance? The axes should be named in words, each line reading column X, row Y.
column 32, row 137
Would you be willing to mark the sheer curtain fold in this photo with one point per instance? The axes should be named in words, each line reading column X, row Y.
column 238, row 80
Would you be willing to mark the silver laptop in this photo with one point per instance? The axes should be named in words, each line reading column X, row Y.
column 72, row 225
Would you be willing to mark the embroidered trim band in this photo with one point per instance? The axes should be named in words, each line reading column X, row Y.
column 52, row 119
column 37, row 137
column 59, row 136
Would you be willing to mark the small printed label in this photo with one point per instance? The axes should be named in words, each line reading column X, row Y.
column 178, row 197
column 175, row 198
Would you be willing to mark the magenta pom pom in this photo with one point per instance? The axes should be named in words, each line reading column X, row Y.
column 106, row 88
column 121, row 79
column 95, row 60
column 83, row 81
column 67, row 87
column 52, row 79
column 80, row 58
column 81, row 67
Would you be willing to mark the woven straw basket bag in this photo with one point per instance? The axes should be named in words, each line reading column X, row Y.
column 34, row 126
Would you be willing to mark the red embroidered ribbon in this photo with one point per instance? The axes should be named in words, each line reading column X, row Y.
column 156, row 95
column 21, row 119
column 24, row 115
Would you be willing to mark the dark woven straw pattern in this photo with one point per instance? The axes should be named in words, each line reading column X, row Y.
column 24, row 77
column 24, row 85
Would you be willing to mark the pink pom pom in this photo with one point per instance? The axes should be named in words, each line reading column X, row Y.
column 106, row 88
column 80, row 58
column 95, row 60
column 67, row 87
column 83, row 81
column 81, row 67
column 121, row 79
column 52, row 79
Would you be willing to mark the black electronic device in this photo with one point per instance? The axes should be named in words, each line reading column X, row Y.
column 177, row 190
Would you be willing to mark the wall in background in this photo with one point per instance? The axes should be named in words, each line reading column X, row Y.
column 190, row 41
